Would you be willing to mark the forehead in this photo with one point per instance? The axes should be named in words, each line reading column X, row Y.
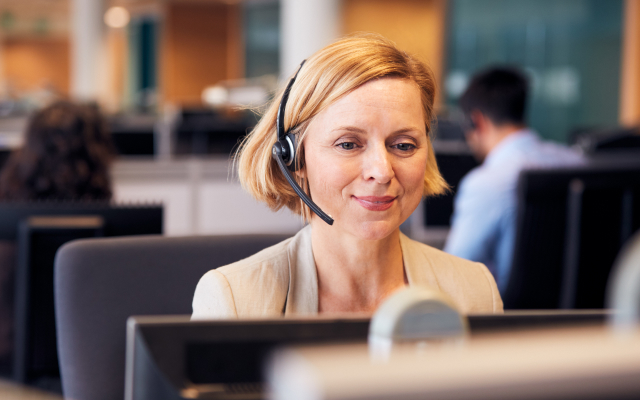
column 385, row 98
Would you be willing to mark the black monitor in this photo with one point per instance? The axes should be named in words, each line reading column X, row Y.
column 36, row 231
column 134, row 135
column 174, row 358
column 454, row 163
column 207, row 131
column 171, row 358
column 570, row 226
column 120, row 219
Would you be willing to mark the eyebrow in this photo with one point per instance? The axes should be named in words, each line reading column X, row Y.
column 360, row 130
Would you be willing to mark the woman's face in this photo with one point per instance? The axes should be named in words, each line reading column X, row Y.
column 366, row 155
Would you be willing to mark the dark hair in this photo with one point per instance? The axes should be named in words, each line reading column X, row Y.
column 66, row 156
column 499, row 93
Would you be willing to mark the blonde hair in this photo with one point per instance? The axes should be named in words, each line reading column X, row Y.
column 325, row 77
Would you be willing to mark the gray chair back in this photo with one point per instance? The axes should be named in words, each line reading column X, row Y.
column 99, row 283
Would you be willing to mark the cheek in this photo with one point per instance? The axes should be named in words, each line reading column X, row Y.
column 414, row 176
column 327, row 176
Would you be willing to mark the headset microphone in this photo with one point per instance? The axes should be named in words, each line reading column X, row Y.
column 284, row 151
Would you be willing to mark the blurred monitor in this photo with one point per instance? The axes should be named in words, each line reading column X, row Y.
column 134, row 143
column 172, row 358
column 134, row 136
column 208, row 131
column 120, row 220
column 570, row 226
column 4, row 156
column 454, row 163
column 601, row 142
column 39, row 229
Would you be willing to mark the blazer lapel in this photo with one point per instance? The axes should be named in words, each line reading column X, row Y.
column 418, row 267
column 302, row 296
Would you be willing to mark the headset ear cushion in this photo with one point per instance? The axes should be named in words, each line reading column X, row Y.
column 292, row 142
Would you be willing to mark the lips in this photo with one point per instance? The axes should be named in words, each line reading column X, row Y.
column 375, row 203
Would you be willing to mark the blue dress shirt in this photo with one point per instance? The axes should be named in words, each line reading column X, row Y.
column 483, row 222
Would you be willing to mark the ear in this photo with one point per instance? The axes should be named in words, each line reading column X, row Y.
column 301, row 172
column 479, row 120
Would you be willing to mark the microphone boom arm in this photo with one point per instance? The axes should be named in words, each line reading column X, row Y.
column 277, row 153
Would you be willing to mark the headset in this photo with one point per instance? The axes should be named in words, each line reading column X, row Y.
column 284, row 152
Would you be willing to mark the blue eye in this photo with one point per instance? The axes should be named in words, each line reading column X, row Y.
column 405, row 146
column 347, row 145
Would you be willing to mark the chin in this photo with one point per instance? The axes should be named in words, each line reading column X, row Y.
column 373, row 230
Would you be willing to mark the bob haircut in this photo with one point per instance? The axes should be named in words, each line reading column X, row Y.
column 326, row 76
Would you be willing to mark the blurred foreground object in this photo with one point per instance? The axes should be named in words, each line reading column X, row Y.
column 624, row 287
column 414, row 315
column 576, row 363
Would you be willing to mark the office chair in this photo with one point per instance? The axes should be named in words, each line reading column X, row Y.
column 99, row 283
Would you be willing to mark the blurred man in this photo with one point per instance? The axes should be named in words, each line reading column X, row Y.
column 483, row 223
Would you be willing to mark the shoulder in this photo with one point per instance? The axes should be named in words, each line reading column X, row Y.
column 469, row 284
column 253, row 287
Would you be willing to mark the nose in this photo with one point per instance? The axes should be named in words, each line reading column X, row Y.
column 378, row 164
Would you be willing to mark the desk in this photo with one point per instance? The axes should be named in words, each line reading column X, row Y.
column 13, row 391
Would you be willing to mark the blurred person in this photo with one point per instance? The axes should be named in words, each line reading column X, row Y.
column 483, row 222
column 66, row 156
column 355, row 122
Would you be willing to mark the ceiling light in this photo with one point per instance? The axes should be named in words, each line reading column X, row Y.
column 116, row 17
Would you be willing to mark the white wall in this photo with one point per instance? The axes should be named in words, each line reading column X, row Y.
column 199, row 197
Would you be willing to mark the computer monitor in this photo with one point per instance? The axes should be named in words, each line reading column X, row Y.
column 207, row 131
column 174, row 358
column 170, row 357
column 570, row 226
column 38, row 229
column 120, row 219
column 453, row 165
column 134, row 135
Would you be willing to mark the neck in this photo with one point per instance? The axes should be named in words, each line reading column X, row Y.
column 500, row 133
column 354, row 275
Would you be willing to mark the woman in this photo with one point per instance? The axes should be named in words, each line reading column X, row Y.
column 359, row 113
column 66, row 156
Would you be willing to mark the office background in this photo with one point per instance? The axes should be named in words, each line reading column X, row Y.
column 181, row 81
column 159, row 68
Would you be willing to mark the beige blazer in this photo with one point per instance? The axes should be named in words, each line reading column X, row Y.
column 282, row 280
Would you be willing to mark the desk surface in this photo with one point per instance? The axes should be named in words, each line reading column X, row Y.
column 13, row 391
